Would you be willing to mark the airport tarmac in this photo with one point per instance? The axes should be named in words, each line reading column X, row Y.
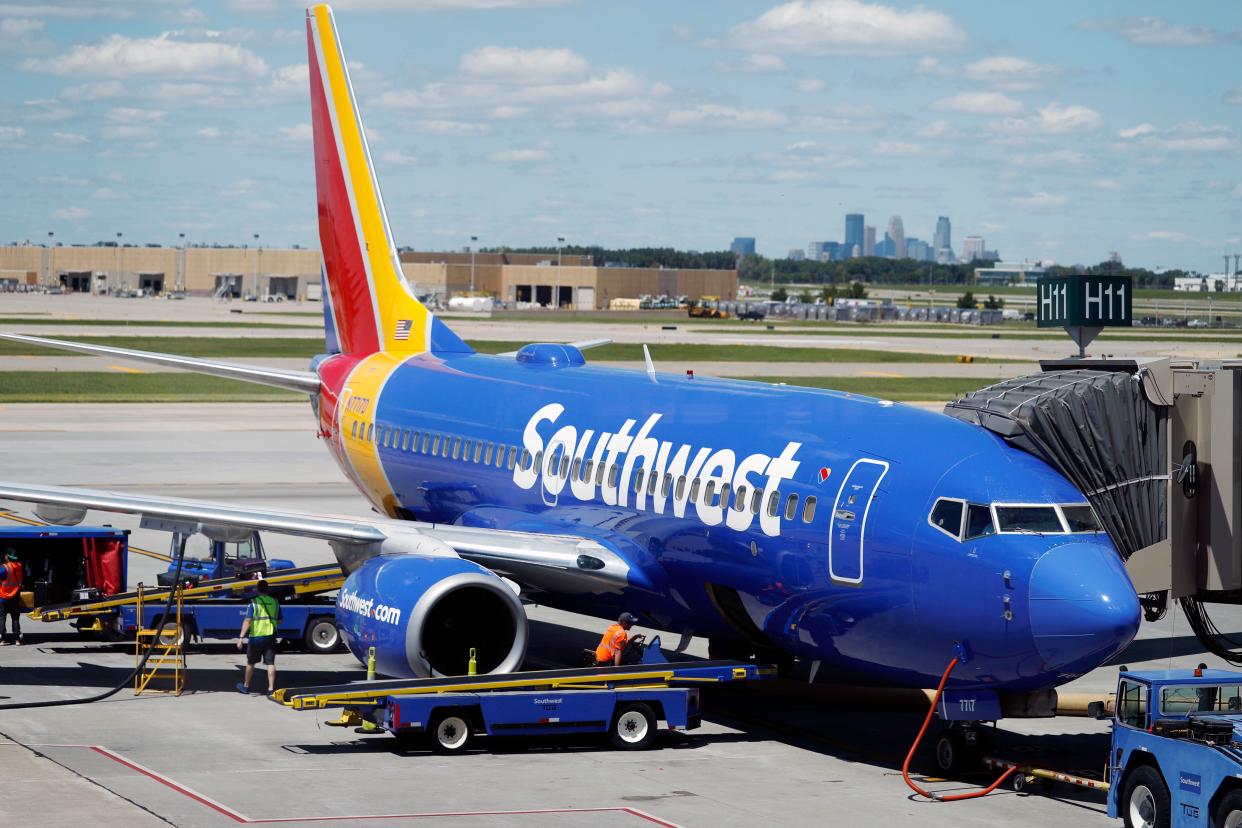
column 779, row 752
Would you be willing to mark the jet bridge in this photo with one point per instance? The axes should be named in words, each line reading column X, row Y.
column 1155, row 446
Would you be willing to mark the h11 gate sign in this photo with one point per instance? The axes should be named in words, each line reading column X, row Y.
column 1084, row 301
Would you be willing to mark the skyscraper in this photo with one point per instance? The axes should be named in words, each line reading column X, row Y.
column 743, row 245
column 943, row 240
column 898, row 234
column 853, row 231
column 972, row 248
column 868, row 246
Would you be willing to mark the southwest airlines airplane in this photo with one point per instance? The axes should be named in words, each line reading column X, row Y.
column 875, row 539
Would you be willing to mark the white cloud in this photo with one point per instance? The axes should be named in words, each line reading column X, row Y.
column 69, row 139
column 527, row 155
column 505, row 112
column 1054, row 159
column 71, row 213
column 937, row 130
column 297, row 132
column 1136, row 131
column 9, row 134
column 129, row 115
column 1107, row 184
column 717, row 116
column 843, row 121
column 847, row 27
column 445, row 127
column 402, row 159
column 1188, row 136
column 1054, row 119
column 118, row 56
column 810, row 85
column 76, row 9
column 127, row 132
column 107, row 193
column 510, row 65
column 1040, row 199
column 1156, row 31
column 1237, row 191
column 1163, row 235
column 979, row 103
column 22, row 35
column 756, row 64
column 100, row 90
column 1234, row 95
column 900, row 149
column 1005, row 72
column 45, row 111
column 390, row 6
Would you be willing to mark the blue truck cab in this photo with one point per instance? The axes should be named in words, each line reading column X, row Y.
column 207, row 559
column 1176, row 752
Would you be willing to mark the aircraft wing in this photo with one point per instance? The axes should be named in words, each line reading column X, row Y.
column 561, row 563
column 304, row 381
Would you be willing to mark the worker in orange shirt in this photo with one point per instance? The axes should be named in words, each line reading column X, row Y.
column 11, row 597
column 616, row 638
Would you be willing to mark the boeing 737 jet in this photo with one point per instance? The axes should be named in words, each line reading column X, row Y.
column 878, row 540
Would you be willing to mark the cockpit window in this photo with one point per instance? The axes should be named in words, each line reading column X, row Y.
column 946, row 516
column 1081, row 518
column 978, row 521
column 1041, row 519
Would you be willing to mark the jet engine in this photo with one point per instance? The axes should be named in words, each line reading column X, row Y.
column 423, row 615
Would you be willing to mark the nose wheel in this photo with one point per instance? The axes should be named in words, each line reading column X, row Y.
column 961, row 746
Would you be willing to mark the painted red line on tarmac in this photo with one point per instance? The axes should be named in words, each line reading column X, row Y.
column 181, row 789
column 241, row 818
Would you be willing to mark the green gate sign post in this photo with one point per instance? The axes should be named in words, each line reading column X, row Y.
column 1084, row 305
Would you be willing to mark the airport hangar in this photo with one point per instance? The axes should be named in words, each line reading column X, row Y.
column 577, row 281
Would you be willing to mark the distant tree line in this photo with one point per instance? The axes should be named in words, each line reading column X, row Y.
column 637, row 256
column 875, row 270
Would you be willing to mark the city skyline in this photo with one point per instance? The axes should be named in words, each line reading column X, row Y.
column 1056, row 132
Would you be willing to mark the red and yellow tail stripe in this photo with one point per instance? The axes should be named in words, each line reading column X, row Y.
column 373, row 306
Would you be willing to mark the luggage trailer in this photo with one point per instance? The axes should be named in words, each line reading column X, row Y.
column 626, row 702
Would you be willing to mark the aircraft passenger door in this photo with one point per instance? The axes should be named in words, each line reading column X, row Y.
column 848, row 526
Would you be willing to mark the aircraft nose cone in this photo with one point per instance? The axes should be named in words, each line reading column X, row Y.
column 1083, row 606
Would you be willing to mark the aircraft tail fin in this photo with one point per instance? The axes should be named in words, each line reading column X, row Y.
column 373, row 306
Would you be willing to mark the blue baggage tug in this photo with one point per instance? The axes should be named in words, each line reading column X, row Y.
column 625, row 702
column 1176, row 754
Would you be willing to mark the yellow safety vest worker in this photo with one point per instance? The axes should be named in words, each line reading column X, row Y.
column 263, row 614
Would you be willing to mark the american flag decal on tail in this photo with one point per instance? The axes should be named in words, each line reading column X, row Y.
column 403, row 330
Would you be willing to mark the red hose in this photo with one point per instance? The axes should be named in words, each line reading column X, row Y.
column 905, row 766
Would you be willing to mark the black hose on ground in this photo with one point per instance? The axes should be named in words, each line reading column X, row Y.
column 172, row 593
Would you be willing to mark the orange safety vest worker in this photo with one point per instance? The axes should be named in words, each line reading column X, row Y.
column 12, row 582
column 613, row 642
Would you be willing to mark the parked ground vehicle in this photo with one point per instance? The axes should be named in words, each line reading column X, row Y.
column 625, row 702
column 79, row 574
column 751, row 315
column 705, row 309
column 1176, row 753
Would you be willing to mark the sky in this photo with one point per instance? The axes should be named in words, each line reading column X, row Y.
column 1056, row 130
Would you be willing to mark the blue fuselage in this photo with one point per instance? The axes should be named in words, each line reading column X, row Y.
column 844, row 565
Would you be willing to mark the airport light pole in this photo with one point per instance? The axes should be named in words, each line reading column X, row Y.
column 560, row 240
column 119, row 276
column 473, row 240
column 257, row 253
column 51, row 248
column 181, row 272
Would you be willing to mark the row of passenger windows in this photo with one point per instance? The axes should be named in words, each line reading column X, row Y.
column 437, row 445
column 967, row 521
column 584, row 470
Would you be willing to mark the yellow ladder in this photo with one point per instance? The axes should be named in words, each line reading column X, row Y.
column 167, row 660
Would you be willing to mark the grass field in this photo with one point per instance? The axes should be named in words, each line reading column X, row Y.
column 899, row 389
column 308, row 347
column 91, row 386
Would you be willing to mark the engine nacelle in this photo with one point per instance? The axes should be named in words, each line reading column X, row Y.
column 423, row 615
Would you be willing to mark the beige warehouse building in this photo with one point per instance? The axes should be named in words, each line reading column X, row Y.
column 295, row 273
